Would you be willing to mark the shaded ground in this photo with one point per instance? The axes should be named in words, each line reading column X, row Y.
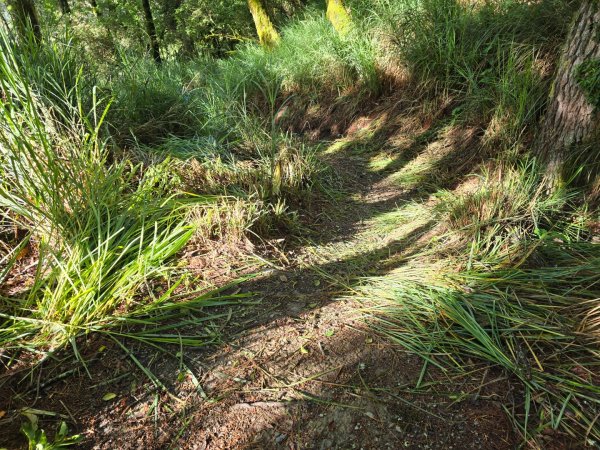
column 298, row 369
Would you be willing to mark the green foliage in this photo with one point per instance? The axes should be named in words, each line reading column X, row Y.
column 37, row 439
column 215, row 26
column 153, row 102
column 102, row 229
column 103, row 224
column 311, row 58
column 507, row 206
column 491, row 57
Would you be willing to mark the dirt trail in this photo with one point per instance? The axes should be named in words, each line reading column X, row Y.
column 300, row 369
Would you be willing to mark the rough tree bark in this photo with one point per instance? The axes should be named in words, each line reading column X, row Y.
column 151, row 30
column 25, row 18
column 571, row 116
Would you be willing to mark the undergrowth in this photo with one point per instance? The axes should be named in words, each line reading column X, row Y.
column 102, row 231
column 523, row 297
column 102, row 187
column 491, row 59
column 108, row 173
column 520, row 289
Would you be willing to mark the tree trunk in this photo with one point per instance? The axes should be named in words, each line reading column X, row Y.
column 5, row 15
column 338, row 16
column 25, row 18
column 169, row 10
column 572, row 114
column 65, row 7
column 267, row 34
column 151, row 30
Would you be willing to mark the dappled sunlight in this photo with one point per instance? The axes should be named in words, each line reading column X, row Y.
column 379, row 163
column 273, row 225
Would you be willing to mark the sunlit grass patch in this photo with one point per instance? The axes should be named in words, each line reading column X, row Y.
column 410, row 213
column 352, row 146
column 415, row 173
column 514, row 285
column 380, row 162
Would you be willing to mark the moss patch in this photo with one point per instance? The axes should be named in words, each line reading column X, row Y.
column 587, row 76
column 338, row 16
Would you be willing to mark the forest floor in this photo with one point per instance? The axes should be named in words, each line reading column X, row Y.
column 298, row 367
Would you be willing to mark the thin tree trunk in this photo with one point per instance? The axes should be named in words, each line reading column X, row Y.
column 25, row 18
column 65, row 7
column 572, row 117
column 151, row 30
column 267, row 34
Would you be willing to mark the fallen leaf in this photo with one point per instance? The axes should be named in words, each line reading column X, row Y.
column 109, row 396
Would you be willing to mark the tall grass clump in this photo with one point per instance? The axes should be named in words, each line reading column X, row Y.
column 525, row 321
column 492, row 59
column 101, row 229
column 311, row 59
column 508, row 204
column 231, row 144
column 154, row 102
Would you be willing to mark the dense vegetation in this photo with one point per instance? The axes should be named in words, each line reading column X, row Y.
column 131, row 133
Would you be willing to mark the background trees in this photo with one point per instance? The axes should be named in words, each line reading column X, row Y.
column 64, row 6
column 151, row 30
